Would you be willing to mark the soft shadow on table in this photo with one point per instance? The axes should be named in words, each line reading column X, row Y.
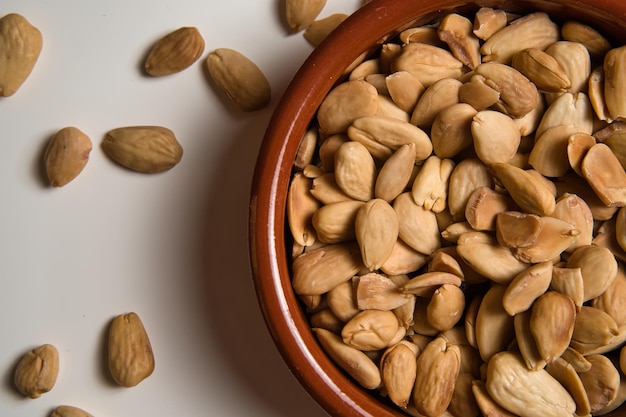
column 227, row 289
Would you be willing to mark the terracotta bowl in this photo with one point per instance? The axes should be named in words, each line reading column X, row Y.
column 270, row 245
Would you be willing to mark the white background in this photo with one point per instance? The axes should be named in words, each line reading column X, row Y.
column 172, row 246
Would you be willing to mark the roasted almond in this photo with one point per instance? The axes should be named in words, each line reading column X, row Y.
column 174, row 52
column 66, row 155
column 148, row 149
column 239, row 78
column 130, row 356
column 20, row 46
column 37, row 371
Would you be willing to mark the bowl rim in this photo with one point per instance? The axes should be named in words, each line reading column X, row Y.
column 281, row 310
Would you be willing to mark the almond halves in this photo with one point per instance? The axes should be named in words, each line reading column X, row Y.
column 174, row 52
column 239, row 78
column 130, row 356
column 148, row 149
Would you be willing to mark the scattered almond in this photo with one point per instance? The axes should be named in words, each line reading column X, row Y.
column 174, row 52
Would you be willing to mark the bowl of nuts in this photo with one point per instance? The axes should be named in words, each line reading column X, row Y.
column 437, row 217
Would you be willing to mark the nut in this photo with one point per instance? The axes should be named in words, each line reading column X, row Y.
column 494, row 326
column 20, row 43
column 320, row 270
column 355, row 171
column 537, row 30
column 468, row 175
column 395, row 173
column 428, row 63
column 404, row 89
column 130, row 356
column 596, row 44
column 564, row 372
column 598, row 268
column 437, row 369
column 417, row 226
column 147, row 149
column 342, row 301
column 457, row 31
column 552, row 324
column 37, row 371
column 601, row 382
column 488, row 21
column 239, row 78
column 542, row 69
column 301, row 207
column 437, row 96
column 378, row 292
column 482, row 252
column 483, row 207
column 614, row 84
column 398, row 368
column 522, row 397
column 450, row 132
column 69, row 411
column 299, row 14
column 525, row 189
column 356, row 363
column 526, row 287
column 430, row 186
column 318, row 30
column 445, row 307
column 334, row 222
column 66, row 155
column 174, row 52
column 605, row 175
column 496, row 137
column 518, row 95
column 345, row 103
column 370, row 330
column 391, row 133
column 376, row 229
column 574, row 59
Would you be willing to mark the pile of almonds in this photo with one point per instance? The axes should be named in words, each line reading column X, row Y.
column 458, row 215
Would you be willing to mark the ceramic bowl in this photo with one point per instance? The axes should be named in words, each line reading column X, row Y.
column 270, row 245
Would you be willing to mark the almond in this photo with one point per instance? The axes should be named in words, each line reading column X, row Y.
column 66, row 155
column 69, row 411
column 148, row 149
column 130, row 355
column 174, row 52
column 37, row 371
column 239, row 78
column 20, row 46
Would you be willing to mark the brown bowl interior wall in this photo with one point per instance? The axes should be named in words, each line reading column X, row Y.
column 269, row 250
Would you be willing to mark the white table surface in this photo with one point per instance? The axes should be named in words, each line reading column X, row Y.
column 172, row 246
